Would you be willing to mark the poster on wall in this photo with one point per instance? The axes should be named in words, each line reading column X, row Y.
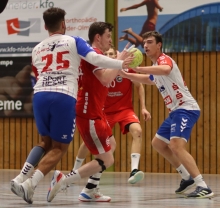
column 186, row 26
column 16, row 86
column 22, row 26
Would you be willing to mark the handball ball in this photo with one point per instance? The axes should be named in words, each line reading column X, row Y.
column 138, row 58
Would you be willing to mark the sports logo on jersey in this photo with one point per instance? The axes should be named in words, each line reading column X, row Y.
column 183, row 124
column 161, row 88
column 118, row 79
column 23, row 28
column 162, row 57
column 108, row 141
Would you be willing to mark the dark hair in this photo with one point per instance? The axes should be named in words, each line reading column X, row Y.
column 53, row 17
column 157, row 35
column 98, row 28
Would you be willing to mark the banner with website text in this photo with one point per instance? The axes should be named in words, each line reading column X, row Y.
column 186, row 26
column 22, row 27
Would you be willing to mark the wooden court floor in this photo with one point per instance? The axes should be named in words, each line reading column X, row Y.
column 156, row 190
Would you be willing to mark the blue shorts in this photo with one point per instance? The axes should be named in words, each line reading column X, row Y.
column 55, row 115
column 179, row 124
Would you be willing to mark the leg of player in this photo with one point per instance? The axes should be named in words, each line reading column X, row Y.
column 81, row 155
column 91, row 191
column 47, row 163
column 163, row 149
column 32, row 160
column 178, row 147
column 60, row 181
column 136, row 175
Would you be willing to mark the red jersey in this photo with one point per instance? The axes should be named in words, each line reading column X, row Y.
column 119, row 94
column 92, row 94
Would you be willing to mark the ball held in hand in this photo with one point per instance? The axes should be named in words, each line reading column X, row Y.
column 138, row 58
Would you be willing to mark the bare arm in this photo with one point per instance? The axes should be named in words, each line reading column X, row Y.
column 135, row 6
column 141, row 94
column 106, row 76
column 158, row 5
column 155, row 70
column 142, row 78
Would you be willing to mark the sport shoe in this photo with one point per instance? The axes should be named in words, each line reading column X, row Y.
column 93, row 195
column 56, row 185
column 15, row 184
column 200, row 193
column 27, row 191
column 185, row 185
column 135, row 176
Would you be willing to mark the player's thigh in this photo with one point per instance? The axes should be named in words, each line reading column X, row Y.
column 127, row 118
column 95, row 134
column 183, row 122
column 62, row 118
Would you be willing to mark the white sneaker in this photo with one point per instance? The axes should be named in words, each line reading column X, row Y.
column 136, row 176
column 27, row 191
column 15, row 184
column 93, row 195
column 56, row 185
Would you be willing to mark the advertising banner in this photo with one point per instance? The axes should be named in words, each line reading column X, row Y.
column 186, row 26
column 22, row 27
column 16, row 86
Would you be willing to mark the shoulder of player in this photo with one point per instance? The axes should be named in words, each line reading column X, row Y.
column 164, row 58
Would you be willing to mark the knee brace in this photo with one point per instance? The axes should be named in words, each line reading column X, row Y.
column 101, row 163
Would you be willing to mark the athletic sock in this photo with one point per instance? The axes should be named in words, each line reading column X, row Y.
column 183, row 172
column 135, row 158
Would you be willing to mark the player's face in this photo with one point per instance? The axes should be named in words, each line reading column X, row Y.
column 106, row 40
column 151, row 47
column 110, row 53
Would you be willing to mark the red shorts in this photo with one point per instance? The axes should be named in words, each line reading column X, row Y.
column 147, row 26
column 123, row 117
column 95, row 134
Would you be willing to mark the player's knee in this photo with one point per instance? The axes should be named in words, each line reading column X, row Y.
column 101, row 163
column 137, row 132
column 105, row 163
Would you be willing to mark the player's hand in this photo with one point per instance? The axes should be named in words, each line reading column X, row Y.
column 123, row 9
column 161, row 9
column 146, row 114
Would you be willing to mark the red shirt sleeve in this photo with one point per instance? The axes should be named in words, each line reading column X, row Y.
column 164, row 60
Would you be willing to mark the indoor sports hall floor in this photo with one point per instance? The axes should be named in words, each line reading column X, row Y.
column 156, row 190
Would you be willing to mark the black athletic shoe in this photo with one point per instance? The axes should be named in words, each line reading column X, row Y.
column 135, row 176
column 200, row 193
column 185, row 185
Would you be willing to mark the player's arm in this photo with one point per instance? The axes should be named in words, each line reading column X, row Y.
column 105, row 76
column 135, row 6
column 141, row 94
column 142, row 78
column 86, row 52
column 158, row 5
column 155, row 70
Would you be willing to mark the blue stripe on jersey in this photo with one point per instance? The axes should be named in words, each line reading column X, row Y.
column 83, row 48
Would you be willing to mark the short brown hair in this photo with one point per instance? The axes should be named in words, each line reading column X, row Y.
column 53, row 17
column 157, row 35
column 98, row 28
